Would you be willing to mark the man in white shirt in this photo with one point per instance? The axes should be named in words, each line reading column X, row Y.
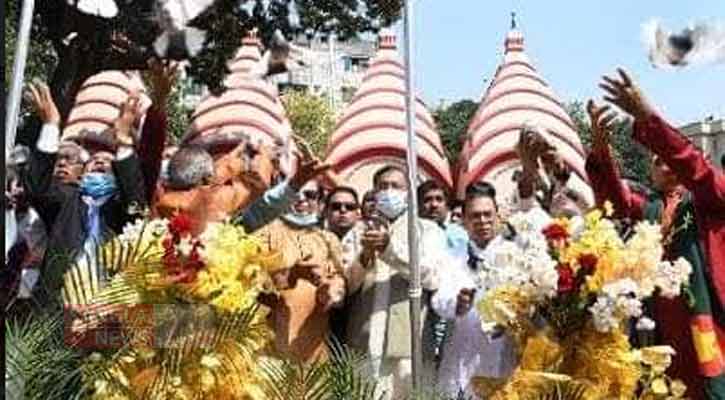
column 470, row 352
column 377, row 275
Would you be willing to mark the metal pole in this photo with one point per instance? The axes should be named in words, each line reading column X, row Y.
column 16, row 85
column 331, row 78
column 415, row 291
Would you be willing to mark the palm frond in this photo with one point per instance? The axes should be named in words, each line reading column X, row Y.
column 289, row 380
column 560, row 390
column 347, row 375
column 107, row 277
column 233, row 338
column 38, row 363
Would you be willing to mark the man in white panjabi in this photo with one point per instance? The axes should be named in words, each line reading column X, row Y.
column 470, row 352
column 378, row 273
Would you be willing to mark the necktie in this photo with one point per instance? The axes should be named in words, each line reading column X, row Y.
column 93, row 217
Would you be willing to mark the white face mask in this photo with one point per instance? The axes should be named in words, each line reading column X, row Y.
column 391, row 202
column 302, row 220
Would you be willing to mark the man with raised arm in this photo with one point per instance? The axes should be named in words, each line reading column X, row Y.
column 690, row 205
column 81, row 209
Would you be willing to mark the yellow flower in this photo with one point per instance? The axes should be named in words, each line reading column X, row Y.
column 657, row 357
column 659, row 386
column 608, row 208
column 210, row 361
column 678, row 388
column 208, row 381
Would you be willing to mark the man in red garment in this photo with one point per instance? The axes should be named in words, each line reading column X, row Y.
column 687, row 184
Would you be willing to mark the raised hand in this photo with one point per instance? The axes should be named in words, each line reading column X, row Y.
column 130, row 113
column 601, row 119
column 625, row 94
column 307, row 270
column 43, row 103
column 308, row 167
column 162, row 77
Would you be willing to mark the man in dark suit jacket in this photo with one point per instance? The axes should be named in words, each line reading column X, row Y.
column 81, row 210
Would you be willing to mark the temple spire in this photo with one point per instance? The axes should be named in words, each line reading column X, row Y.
column 513, row 19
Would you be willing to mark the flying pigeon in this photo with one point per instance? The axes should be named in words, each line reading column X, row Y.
column 698, row 44
column 178, row 41
column 280, row 57
column 99, row 8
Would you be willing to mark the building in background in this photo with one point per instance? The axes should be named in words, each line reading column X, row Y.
column 709, row 136
column 334, row 67
column 371, row 130
column 517, row 95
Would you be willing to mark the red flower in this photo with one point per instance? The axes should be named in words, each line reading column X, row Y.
column 181, row 224
column 566, row 279
column 555, row 232
column 588, row 263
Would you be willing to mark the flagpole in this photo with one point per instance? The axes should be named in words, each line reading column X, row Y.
column 415, row 291
column 12, row 106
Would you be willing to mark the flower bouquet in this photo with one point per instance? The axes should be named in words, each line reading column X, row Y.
column 568, row 294
column 166, row 314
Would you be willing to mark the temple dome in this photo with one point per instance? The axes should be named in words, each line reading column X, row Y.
column 98, row 102
column 250, row 105
column 371, row 131
column 516, row 96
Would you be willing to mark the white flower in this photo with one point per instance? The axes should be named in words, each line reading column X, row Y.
column 645, row 324
column 629, row 306
column 603, row 314
column 185, row 246
column 670, row 277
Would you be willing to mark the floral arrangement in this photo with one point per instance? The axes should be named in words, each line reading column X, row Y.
column 568, row 292
column 185, row 307
column 223, row 266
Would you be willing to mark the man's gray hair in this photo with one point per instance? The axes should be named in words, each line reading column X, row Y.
column 83, row 155
column 190, row 166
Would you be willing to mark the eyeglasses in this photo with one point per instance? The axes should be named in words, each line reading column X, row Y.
column 343, row 207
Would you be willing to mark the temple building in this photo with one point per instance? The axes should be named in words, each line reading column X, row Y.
column 371, row 131
column 250, row 105
column 517, row 95
column 98, row 102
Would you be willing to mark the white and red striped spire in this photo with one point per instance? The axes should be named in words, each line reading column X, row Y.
column 371, row 131
column 517, row 95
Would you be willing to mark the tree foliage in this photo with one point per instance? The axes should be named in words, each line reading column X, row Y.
column 633, row 159
column 86, row 45
column 41, row 55
column 311, row 118
column 452, row 122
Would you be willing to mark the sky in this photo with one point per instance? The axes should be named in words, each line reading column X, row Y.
column 459, row 43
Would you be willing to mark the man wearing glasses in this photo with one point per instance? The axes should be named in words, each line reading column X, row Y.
column 310, row 284
column 342, row 210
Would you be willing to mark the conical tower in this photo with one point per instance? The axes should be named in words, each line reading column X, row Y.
column 98, row 102
column 516, row 96
column 371, row 131
column 250, row 105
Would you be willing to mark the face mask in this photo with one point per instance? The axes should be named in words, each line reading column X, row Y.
column 98, row 184
column 391, row 202
column 302, row 220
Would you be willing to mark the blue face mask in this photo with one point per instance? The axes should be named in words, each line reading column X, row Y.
column 98, row 184
column 302, row 220
column 391, row 202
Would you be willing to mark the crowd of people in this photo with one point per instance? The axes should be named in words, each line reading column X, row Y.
column 346, row 253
